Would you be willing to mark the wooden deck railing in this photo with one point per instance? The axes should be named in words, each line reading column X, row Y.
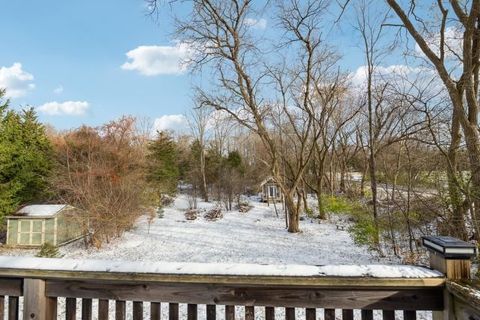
column 50, row 288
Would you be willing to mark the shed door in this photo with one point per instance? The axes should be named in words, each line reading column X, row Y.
column 36, row 238
column 272, row 191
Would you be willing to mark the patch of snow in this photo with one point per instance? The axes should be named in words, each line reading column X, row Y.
column 236, row 269
column 41, row 209
column 255, row 237
column 378, row 271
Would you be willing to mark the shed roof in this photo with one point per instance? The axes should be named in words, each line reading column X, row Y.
column 41, row 210
column 267, row 180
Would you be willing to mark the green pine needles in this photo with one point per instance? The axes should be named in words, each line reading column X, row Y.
column 26, row 158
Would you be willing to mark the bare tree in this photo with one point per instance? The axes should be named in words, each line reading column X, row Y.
column 456, row 60
column 198, row 121
column 220, row 36
column 369, row 26
column 333, row 112
column 101, row 171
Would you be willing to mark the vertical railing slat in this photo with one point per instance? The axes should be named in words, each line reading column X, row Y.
column 289, row 313
column 86, row 309
column 211, row 312
column 388, row 315
column 13, row 308
column 347, row 314
column 120, row 310
column 409, row 315
column 329, row 314
column 173, row 311
column 155, row 311
column 137, row 310
column 52, row 304
column 102, row 309
column 367, row 314
column 249, row 312
column 229, row 312
column 310, row 314
column 192, row 312
column 71, row 309
column 2, row 307
column 270, row 313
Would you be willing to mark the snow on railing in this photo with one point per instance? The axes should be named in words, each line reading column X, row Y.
column 217, row 269
column 51, row 287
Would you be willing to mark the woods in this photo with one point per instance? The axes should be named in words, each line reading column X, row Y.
column 394, row 145
column 240, row 159
column 408, row 129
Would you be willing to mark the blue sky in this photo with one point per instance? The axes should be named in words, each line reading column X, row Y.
column 75, row 49
column 65, row 58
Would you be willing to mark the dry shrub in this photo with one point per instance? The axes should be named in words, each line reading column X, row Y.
column 100, row 170
column 166, row 200
column 411, row 258
column 191, row 214
column 213, row 214
column 244, row 207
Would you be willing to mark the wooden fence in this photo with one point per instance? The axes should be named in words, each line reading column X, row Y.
column 42, row 283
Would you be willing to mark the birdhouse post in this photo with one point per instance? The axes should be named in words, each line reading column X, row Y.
column 451, row 257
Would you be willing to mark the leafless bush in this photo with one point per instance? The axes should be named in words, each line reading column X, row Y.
column 213, row 214
column 100, row 170
column 244, row 207
column 166, row 200
column 191, row 214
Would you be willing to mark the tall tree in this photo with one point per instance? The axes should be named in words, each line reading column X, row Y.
column 451, row 45
column 199, row 125
column 369, row 25
column 25, row 158
column 162, row 164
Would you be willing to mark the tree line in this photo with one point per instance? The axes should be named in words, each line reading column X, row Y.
column 114, row 173
column 287, row 107
column 410, row 128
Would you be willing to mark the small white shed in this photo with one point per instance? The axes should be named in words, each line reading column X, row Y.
column 34, row 225
column 271, row 191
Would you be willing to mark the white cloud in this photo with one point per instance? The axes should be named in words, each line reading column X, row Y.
column 58, row 90
column 157, row 60
column 71, row 108
column 172, row 122
column 359, row 77
column 15, row 80
column 256, row 23
column 453, row 43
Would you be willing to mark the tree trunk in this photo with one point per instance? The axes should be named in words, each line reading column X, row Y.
column 343, row 169
column 372, row 149
column 373, row 187
column 292, row 213
column 305, row 201
column 321, row 210
column 472, row 139
column 202, row 171
column 457, row 221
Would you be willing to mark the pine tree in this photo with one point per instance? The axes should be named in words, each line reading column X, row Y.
column 25, row 158
column 162, row 167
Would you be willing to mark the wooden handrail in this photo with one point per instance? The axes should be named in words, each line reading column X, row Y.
column 368, row 276
column 366, row 287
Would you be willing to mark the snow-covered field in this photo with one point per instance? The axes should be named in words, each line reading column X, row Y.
column 257, row 237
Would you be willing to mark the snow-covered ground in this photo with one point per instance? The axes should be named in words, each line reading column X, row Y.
column 257, row 236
